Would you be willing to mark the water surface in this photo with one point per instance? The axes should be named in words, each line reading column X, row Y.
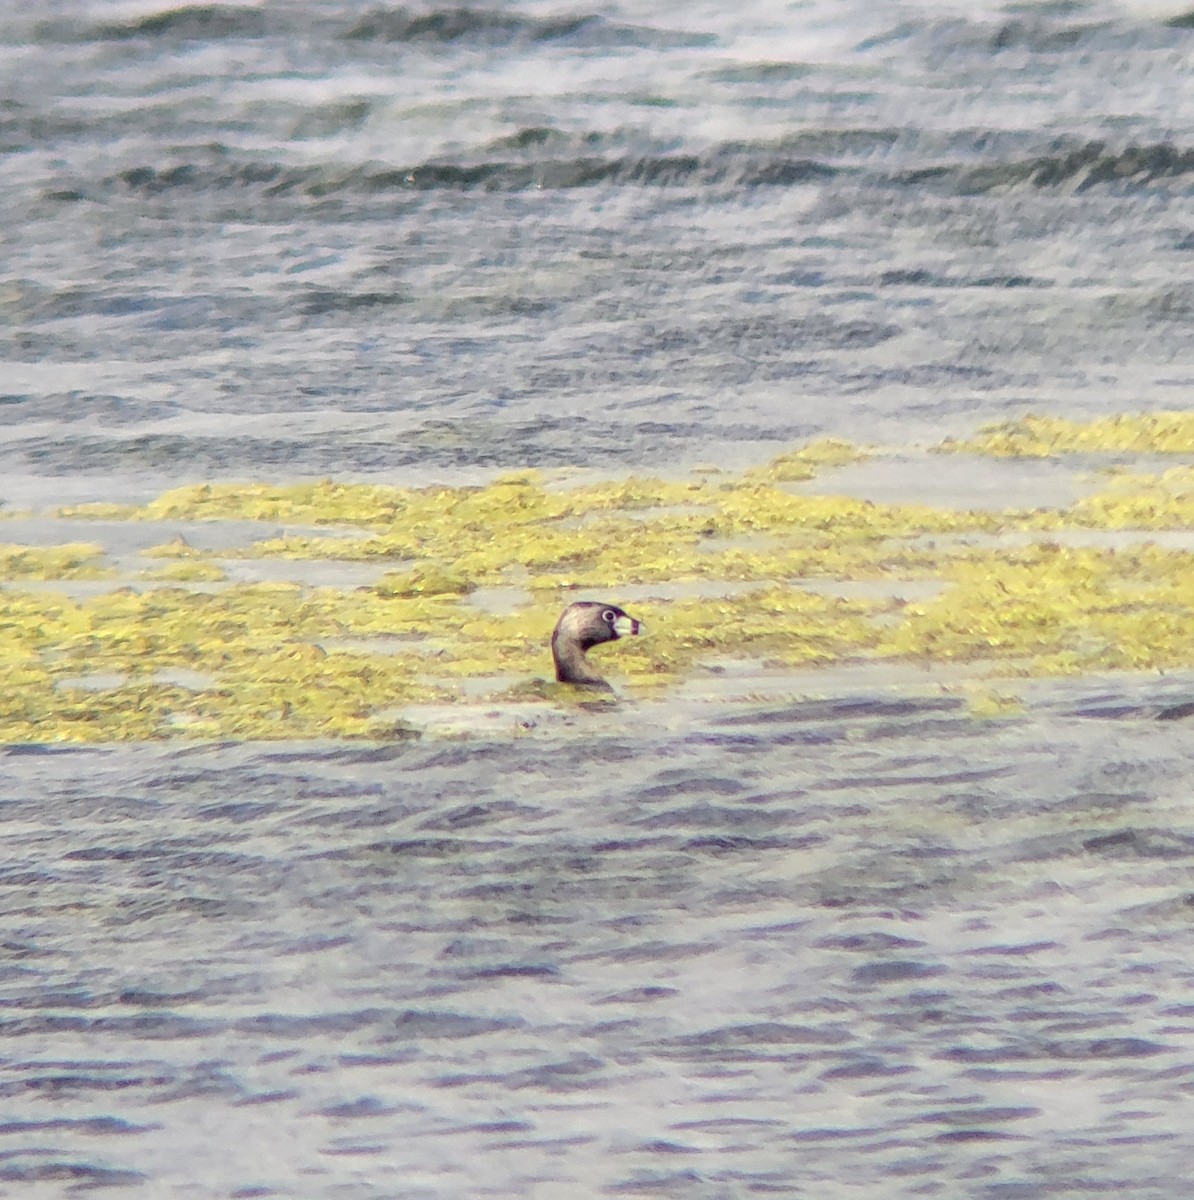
column 834, row 937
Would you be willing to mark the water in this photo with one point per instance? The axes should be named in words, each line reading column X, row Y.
column 458, row 239
column 820, row 948
column 855, row 946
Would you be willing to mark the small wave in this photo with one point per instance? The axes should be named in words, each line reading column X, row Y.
column 1139, row 843
column 1042, row 33
column 920, row 277
column 435, row 26
column 1080, row 169
column 538, row 159
column 499, row 27
column 76, row 1176
column 719, row 167
column 198, row 22
column 1036, row 34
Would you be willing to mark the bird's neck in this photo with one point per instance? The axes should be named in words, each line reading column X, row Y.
column 571, row 666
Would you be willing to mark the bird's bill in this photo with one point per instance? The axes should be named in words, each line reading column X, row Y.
column 629, row 627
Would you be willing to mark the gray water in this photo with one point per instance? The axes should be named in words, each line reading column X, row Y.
column 866, row 945
column 857, row 947
column 324, row 238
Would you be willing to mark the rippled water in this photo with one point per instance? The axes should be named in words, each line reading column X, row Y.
column 450, row 239
column 853, row 947
column 863, row 945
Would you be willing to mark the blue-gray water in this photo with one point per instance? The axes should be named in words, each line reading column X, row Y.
column 323, row 238
column 862, row 947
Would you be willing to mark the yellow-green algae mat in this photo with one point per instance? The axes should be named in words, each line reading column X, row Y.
column 178, row 650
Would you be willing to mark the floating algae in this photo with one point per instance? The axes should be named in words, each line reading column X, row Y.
column 179, row 547
column 718, row 563
column 257, row 642
column 1129, row 501
column 779, row 624
column 70, row 561
column 188, row 572
column 321, row 503
column 424, row 581
column 806, row 461
column 1048, row 609
column 1041, row 437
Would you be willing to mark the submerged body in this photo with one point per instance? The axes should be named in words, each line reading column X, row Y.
column 581, row 626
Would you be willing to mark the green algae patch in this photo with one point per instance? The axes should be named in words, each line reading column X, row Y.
column 76, row 560
column 187, row 572
column 177, row 547
column 268, row 679
column 780, row 625
column 723, row 566
column 637, row 531
column 1054, row 610
column 1147, row 502
column 751, row 507
column 101, row 510
column 424, row 581
column 138, row 712
column 1041, row 437
column 321, row 503
column 806, row 462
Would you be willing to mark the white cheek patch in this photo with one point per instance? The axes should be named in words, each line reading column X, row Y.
column 629, row 627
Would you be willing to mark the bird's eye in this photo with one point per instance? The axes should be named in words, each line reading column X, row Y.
column 609, row 616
